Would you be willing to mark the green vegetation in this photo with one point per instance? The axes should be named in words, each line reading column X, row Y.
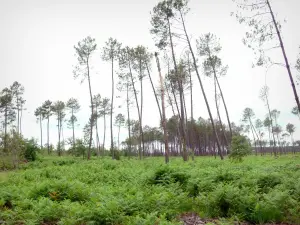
column 101, row 191
column 240, row 147
column 111, row 186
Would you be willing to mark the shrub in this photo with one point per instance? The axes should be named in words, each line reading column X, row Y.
column 228, row 200
column 30, row 150
column 273, row 207
column 60, row 190
column 239, row 148
column 267, row 182
column 166, row 175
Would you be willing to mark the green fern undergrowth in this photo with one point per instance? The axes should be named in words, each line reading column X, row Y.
column 129, row 191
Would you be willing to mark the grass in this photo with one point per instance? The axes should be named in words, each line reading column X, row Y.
column 101, row 191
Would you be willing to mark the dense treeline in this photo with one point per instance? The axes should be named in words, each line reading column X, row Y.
column 181, row 133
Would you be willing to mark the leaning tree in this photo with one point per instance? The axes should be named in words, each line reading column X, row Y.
column 84, row 50
column 209, row 47
column 264, row 34
column 181, row 8
column 161, row 19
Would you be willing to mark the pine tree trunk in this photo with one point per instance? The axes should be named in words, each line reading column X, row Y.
column 58, row 132
column 111, row 109
column 192, row 108
column 202, row 89
column 182, row 122
column 92, row 111
column 97, row 133
column 104, row 122
column 225, row 106
column 5, row 128
column 41, row 130
column 218, row 113
column 21, row 114
column 141, row 111
column 128, row 115
column 48, row 144
column 18, row 112
column 119, row 137
column 154, row 92
column 137, row 105
column 73, row 130
column 170, row 100
column 62, row 134
column 174, row 96
column 191, row 89
column 270, row 117
column 163, row 110
column 284, row 55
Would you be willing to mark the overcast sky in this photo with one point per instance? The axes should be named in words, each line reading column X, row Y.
column 37, row 39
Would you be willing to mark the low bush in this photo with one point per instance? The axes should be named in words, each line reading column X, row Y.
column 239, row 148
column 31, row 149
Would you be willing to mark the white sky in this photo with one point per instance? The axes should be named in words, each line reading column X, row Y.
column 37, row 39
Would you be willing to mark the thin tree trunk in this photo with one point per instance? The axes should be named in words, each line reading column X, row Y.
column 137, row 105
column 5, row 129
column 73, row 130
column 141, row 111
column 186, row 128
column 192, row 108
column 41, row 128
column 62, row 134
column 92, row 110
column 202, row 88
column 58, row 131
column 48, row 144
column 111, row 109
column 269, row 130
column 97, row 133
column 270, row 117
column 258, row 138
column 18, row 110
column 223, row 100
column 173, row 92
column 21, row 113
column 253, row 139
column 163, row 110
column 104, row 122
column 225, row 106
column 191, row 88
column 119, row 138
column 284, row 56
column 128, row 115
column 218, row 113
column 170, row 100
column 183, row 134
column 154, row 92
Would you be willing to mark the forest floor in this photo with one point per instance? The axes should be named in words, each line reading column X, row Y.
column 67, row 190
